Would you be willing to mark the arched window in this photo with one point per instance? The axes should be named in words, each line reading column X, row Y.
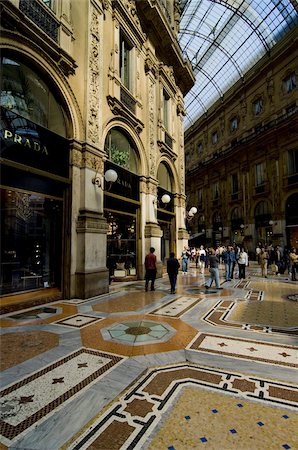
column 24, row 92
column 164, row 178
column 121, row 150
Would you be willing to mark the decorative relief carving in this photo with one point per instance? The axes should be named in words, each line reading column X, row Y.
column 94, row 71
column 150, row 66
column 168, row 73
column 91, row 161
column 152, row 155
column 77, row 158
column 243, row 106
column 270, row 89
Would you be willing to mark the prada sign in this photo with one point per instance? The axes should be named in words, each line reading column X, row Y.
column 27, row 143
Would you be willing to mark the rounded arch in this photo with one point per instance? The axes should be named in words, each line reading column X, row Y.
column 172, row 170
column 165, row 176
column 217, row 217
column 121, row 150
column 262, row 209
column 132, row 136
column 43, row 64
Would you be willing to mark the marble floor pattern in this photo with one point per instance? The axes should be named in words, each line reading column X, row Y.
column 131, row 369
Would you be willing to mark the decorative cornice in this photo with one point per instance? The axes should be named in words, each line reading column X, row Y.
column 125, row 11
column 166, row 150
column 118, row 108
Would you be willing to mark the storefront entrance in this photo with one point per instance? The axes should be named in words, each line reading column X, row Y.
column 121, row 244
column 31, row 248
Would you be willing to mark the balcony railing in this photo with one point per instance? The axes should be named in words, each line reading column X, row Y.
column 168, row 140
column 127, row 100
column 41, row 16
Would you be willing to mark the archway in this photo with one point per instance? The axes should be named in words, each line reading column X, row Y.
column 292, row 221
column 35, row 124
column 165, row 212
column 122, row 205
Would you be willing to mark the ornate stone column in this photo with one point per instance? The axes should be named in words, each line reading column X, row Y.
column 91, row 273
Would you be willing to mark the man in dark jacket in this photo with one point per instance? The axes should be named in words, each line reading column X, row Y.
column 214, row 271
column 172, row 269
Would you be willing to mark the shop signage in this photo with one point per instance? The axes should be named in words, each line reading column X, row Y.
column 127, row 184
column 27, row 143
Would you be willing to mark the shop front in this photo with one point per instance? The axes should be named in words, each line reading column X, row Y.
column 34, row 181
column 122, row 212
column 33, row 186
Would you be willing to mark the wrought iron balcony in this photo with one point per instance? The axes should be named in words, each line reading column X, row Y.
column 41, row 16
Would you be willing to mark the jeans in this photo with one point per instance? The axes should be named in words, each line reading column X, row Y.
column 184, row 264
column 229, row 271
column 214, row 276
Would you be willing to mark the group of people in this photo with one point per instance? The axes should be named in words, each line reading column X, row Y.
column 277, row 259
column 231, row 256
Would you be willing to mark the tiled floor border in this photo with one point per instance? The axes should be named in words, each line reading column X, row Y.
column 130, row 420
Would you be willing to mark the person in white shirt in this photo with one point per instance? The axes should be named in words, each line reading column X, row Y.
column 201, row 255
column 242, row 262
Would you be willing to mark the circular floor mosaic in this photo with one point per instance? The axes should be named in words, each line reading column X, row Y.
column 201, row 291
column 138, row 332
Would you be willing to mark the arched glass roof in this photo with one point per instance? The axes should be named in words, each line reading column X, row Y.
column 223, row 39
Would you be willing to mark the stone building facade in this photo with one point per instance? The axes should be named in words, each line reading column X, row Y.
column 90, row 86
column 242, row 158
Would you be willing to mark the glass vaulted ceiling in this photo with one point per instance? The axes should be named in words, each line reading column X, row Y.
column 223, row 39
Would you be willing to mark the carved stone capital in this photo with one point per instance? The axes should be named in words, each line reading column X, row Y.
column 91, row 222
column 152, row 230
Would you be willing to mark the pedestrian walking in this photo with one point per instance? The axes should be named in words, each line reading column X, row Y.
column 172, row 269
column 150, row 269
column 213, row 269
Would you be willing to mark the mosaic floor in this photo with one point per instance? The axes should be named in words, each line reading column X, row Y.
column 128, row 370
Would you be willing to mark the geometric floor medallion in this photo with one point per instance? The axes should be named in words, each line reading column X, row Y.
column 26, row 402
column 138, row 332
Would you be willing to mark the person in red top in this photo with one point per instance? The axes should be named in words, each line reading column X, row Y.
column 150, row 269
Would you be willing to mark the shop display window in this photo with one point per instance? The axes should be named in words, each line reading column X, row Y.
column 121, row 242
column 31, row 247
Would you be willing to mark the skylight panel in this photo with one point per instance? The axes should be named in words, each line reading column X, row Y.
column 224, row 39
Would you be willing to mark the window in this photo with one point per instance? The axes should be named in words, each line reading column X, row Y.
column 200, row 148
column 166, row 109
column 215, row 191
column 292, row 162
column 214, row 137
column 200, row 198
column 260, row 174
column 120, row 150
column 235, row 186
column 49, row 3
column 24, row 92
column 125, row 61
column 289, row 83
column 234, row 124
column 257, row 106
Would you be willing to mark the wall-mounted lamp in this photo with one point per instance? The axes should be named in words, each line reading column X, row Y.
column 165, row 199
column 242, row 226
column 220, row 229
column 110, row 177
column 203, row 230
column 189, row 215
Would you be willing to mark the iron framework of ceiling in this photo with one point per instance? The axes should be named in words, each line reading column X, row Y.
column 223, row 39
